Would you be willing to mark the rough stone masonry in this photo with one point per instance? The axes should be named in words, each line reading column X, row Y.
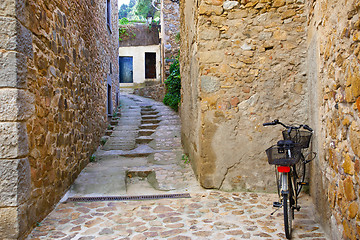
column 58, row 64
column 250, row 61
column 243, row 63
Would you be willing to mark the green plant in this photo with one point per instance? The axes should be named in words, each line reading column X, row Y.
column 126, row 33
column 109, row 127
column 177, row 37
column 173, row 86
column 103, row 141
column 185, row 158
column 92, row 158
column 124, row 21
column 123, row 33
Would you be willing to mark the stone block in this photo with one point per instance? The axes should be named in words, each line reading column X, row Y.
column 214, row 2
column 288, row 14
column 210, row 9
column 355, row 138
column 15, row 182
column 349, row 189
column 9, row 227
column 209, row 33
column 13, row 70
column 211, row 56
column 348, row 165
column 12, row 8
column 15, row 37
column 279, row 3
column 15, row 104
column 209, row 84
column 228, row 5
column 13, row 140
column 353, row 210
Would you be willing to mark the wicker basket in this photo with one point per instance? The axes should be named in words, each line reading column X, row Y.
column 298, row 136
column 282, row 156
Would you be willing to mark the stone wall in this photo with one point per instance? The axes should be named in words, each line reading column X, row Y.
column 242, row 64
column 57, row 59
column 171, row 16
column 334, row 76
column 156, row 92
column 139, row 35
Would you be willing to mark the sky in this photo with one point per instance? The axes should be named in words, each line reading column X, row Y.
column 120, row 2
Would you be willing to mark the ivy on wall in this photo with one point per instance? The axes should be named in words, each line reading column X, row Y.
column 173, row 86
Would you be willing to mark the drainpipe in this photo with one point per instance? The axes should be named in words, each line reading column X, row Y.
column 162, row 50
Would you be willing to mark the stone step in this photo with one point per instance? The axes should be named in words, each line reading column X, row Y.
column 146, row 106
column 149, row 112
column 147, row 121
column 114, row 123
column 149, row 116
column 149, row 126
column 144, row 139
column 146, row 132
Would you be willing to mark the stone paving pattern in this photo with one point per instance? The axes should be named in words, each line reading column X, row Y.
column 208, row 214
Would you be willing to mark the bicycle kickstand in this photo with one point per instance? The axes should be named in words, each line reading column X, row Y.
column 277, row 205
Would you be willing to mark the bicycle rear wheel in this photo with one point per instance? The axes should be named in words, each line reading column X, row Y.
column 299, row 174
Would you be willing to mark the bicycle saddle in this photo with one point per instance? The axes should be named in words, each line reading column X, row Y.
column 286, row 143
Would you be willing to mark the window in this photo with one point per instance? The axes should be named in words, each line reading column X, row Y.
column 108, row 14
column 109, row 101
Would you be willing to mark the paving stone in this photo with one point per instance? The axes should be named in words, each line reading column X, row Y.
column 208, row 214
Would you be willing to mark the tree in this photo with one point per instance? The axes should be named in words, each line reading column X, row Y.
column 123, row 11
column 144, row 7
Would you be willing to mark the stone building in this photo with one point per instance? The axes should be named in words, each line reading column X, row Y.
column 247, row 62
column 139, row 55
column 58, row 86
column 170, row 32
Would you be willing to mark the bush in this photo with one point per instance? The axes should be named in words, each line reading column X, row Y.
column 173, row 86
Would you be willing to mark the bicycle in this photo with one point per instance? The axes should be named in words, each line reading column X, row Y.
column 290, row 168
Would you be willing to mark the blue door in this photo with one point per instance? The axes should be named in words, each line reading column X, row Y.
column 126, row 69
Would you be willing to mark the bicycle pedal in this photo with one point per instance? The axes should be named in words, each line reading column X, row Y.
column 303, row 183
column 277, row 204
column 297, row 208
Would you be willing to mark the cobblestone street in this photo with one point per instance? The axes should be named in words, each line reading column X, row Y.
column 143, row 156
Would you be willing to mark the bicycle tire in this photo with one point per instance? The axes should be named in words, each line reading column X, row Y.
column 287, row 215
column 299, row 174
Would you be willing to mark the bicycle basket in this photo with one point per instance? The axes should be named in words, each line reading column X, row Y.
column 298, row 136
column 281, row 156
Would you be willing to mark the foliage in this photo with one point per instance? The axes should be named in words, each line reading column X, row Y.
column 124, row 33
column 173, row 86
column 125, row 10
column 124, row 21
column 144, row 7
column 92, row 158
column 103, row 141
column 185, row 158
column 177, row 37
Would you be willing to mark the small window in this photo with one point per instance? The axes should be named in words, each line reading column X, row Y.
column 110, row 68
column 108, row 14
column 109, row 101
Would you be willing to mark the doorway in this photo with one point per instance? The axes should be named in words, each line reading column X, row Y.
column 150, row 65
column 126, row 69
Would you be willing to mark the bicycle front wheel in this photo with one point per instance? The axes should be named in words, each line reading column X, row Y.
column 299, row 174
column 288, row 215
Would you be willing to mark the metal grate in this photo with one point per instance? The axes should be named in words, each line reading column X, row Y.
column 127, row 198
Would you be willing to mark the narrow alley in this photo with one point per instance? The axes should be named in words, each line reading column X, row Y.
column 143, row 165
